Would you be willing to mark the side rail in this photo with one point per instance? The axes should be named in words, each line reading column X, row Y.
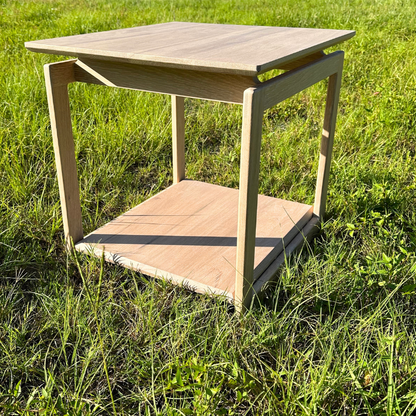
column 290, row 83
column 286, row 85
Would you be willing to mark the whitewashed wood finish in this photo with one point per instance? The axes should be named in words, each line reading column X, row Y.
column 290, row 83
column 188, row 83
column 248, row 190
column 327, row 141
column 237, row 49
column 189, row 230
column 57, row 77
column 178, row 138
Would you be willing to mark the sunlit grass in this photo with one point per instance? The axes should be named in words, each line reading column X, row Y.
column 334, row 336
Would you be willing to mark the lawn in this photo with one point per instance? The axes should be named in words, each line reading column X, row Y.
column 336, row 333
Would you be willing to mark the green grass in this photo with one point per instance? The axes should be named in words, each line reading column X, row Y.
column 336, row 335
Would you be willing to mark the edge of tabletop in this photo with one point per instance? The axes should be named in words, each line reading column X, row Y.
column 268, row 66
column 42, row 46
column 139, row 59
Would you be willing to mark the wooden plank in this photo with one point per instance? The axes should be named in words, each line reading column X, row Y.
column 327, row 142
column 290, row 83
column 151, row 271
column 195, row 84
column 236, row 49
column 248, row 190
column 258, row 46
column 306, row 234
column 189, row 231
column 178, row 138
column 57, row 76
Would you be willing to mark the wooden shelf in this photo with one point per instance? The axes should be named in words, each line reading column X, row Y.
column 188, row 233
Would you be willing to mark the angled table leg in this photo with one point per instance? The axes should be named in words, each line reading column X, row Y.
column 327, row 141
column 57, row 77
column 248, row 195
column 257, row 100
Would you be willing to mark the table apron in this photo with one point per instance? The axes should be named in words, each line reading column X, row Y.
column 284, row 86
column 186, row 83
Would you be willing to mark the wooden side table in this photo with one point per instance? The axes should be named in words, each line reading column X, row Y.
column 214, row 238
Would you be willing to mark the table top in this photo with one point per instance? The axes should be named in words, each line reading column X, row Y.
column 236, row 49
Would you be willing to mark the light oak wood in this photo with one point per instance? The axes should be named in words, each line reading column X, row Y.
column 57, row 77
column 290, row 83
column 188, row 83
column 188, row 232
column 327, row 141
column 236, row 49
column 212, row 238
column 178, row 138
column 135, row 265
column 248, row 190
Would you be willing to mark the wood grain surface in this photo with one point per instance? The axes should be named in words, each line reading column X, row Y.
column 189, row 232
column 237, row 49
column 181, row 82
column 247, row 199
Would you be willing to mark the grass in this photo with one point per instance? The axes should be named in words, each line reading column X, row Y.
column 336, row 335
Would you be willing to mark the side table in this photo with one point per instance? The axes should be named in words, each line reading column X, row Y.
column 211, row 237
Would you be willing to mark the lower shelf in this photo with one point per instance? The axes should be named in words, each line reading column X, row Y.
column 187, row 233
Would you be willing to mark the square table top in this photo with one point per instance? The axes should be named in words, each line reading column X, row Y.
column 235, row 49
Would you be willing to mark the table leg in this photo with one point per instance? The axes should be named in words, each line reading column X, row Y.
column 327, row 142
column 178, row 138
column 57, row 77
column 248, row 195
